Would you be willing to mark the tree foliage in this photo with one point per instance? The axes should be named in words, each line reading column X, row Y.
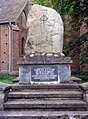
column 61, row 6
column 46, row 3
column 78, row 9
column 75, row 44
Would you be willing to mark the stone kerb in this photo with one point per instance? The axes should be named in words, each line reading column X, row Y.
column 4, row 89
column 84, row 87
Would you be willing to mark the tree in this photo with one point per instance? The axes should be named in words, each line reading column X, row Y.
column 78, row 9
column 46, row 3
column 61, row 6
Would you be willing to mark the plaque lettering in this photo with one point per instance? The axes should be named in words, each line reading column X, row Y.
column 44, row 73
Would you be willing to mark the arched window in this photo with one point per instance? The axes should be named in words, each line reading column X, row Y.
column 22, row 45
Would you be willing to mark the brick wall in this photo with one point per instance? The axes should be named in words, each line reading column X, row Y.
column 19, row 38
column 4, row 48
column 15, row 49
column 76, row 34
column 18, row 34
column 75, row 66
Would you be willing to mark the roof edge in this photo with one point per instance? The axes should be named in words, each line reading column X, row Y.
column 25, row 2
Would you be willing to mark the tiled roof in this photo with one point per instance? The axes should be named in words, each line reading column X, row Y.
column 11, row 9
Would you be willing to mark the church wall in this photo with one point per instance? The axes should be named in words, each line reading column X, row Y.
column 18, row 38
column 4, row 48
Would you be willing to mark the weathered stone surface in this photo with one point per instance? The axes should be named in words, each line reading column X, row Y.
column 51, row 94
column 4, row 86
column 71, row 105
column 61, row 73
column 84, row 87
column 59, row 87
column 4, row 89
column 44, row 67
column 44, row 102
column 44, row 114
column 75, row 79
column 45, row 58
column 16, row 80
column 45, row 30
column 2, row 95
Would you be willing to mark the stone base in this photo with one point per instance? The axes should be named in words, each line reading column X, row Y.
column 44, row 68
column 44, row 73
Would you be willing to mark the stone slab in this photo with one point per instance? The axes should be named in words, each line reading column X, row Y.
column 70, row 105
column 46, row 94
column 45, row 58
column 60, row 73
column 44, row 68
column 75, row 79
column 84, row 86
column 16, row 80
column 61, row 86
column 42, row 114
column 4, row 86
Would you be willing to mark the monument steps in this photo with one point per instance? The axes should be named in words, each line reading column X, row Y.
column 43, row 97
column 61, row 86
column 45, row 94
column 71, row 105
column 59, row 99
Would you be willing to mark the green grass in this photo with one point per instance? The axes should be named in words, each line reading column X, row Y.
column 6, row 79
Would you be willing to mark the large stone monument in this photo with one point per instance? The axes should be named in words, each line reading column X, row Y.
column 44, row 61
column 45, row 30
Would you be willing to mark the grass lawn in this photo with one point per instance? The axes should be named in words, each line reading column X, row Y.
column 6, row 79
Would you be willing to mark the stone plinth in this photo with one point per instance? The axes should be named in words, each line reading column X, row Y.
column 44, row 68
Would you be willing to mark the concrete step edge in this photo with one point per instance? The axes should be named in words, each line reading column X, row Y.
column 47, row 86
column 38, row 113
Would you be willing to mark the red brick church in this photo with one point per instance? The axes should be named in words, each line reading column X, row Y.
column 13, row 16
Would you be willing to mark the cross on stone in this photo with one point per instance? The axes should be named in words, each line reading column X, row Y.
column 44, row 15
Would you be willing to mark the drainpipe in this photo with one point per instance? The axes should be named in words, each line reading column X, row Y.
column 10, row 49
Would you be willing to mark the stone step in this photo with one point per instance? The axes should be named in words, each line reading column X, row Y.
column 46, row 94
column 71, row 105
column 27, row 90
column 41, row 114
column 46, row 86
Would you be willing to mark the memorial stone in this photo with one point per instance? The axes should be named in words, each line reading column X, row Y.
column 45, row 30
column 44, row 61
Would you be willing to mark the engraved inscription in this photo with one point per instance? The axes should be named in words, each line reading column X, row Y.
column 44, row 73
